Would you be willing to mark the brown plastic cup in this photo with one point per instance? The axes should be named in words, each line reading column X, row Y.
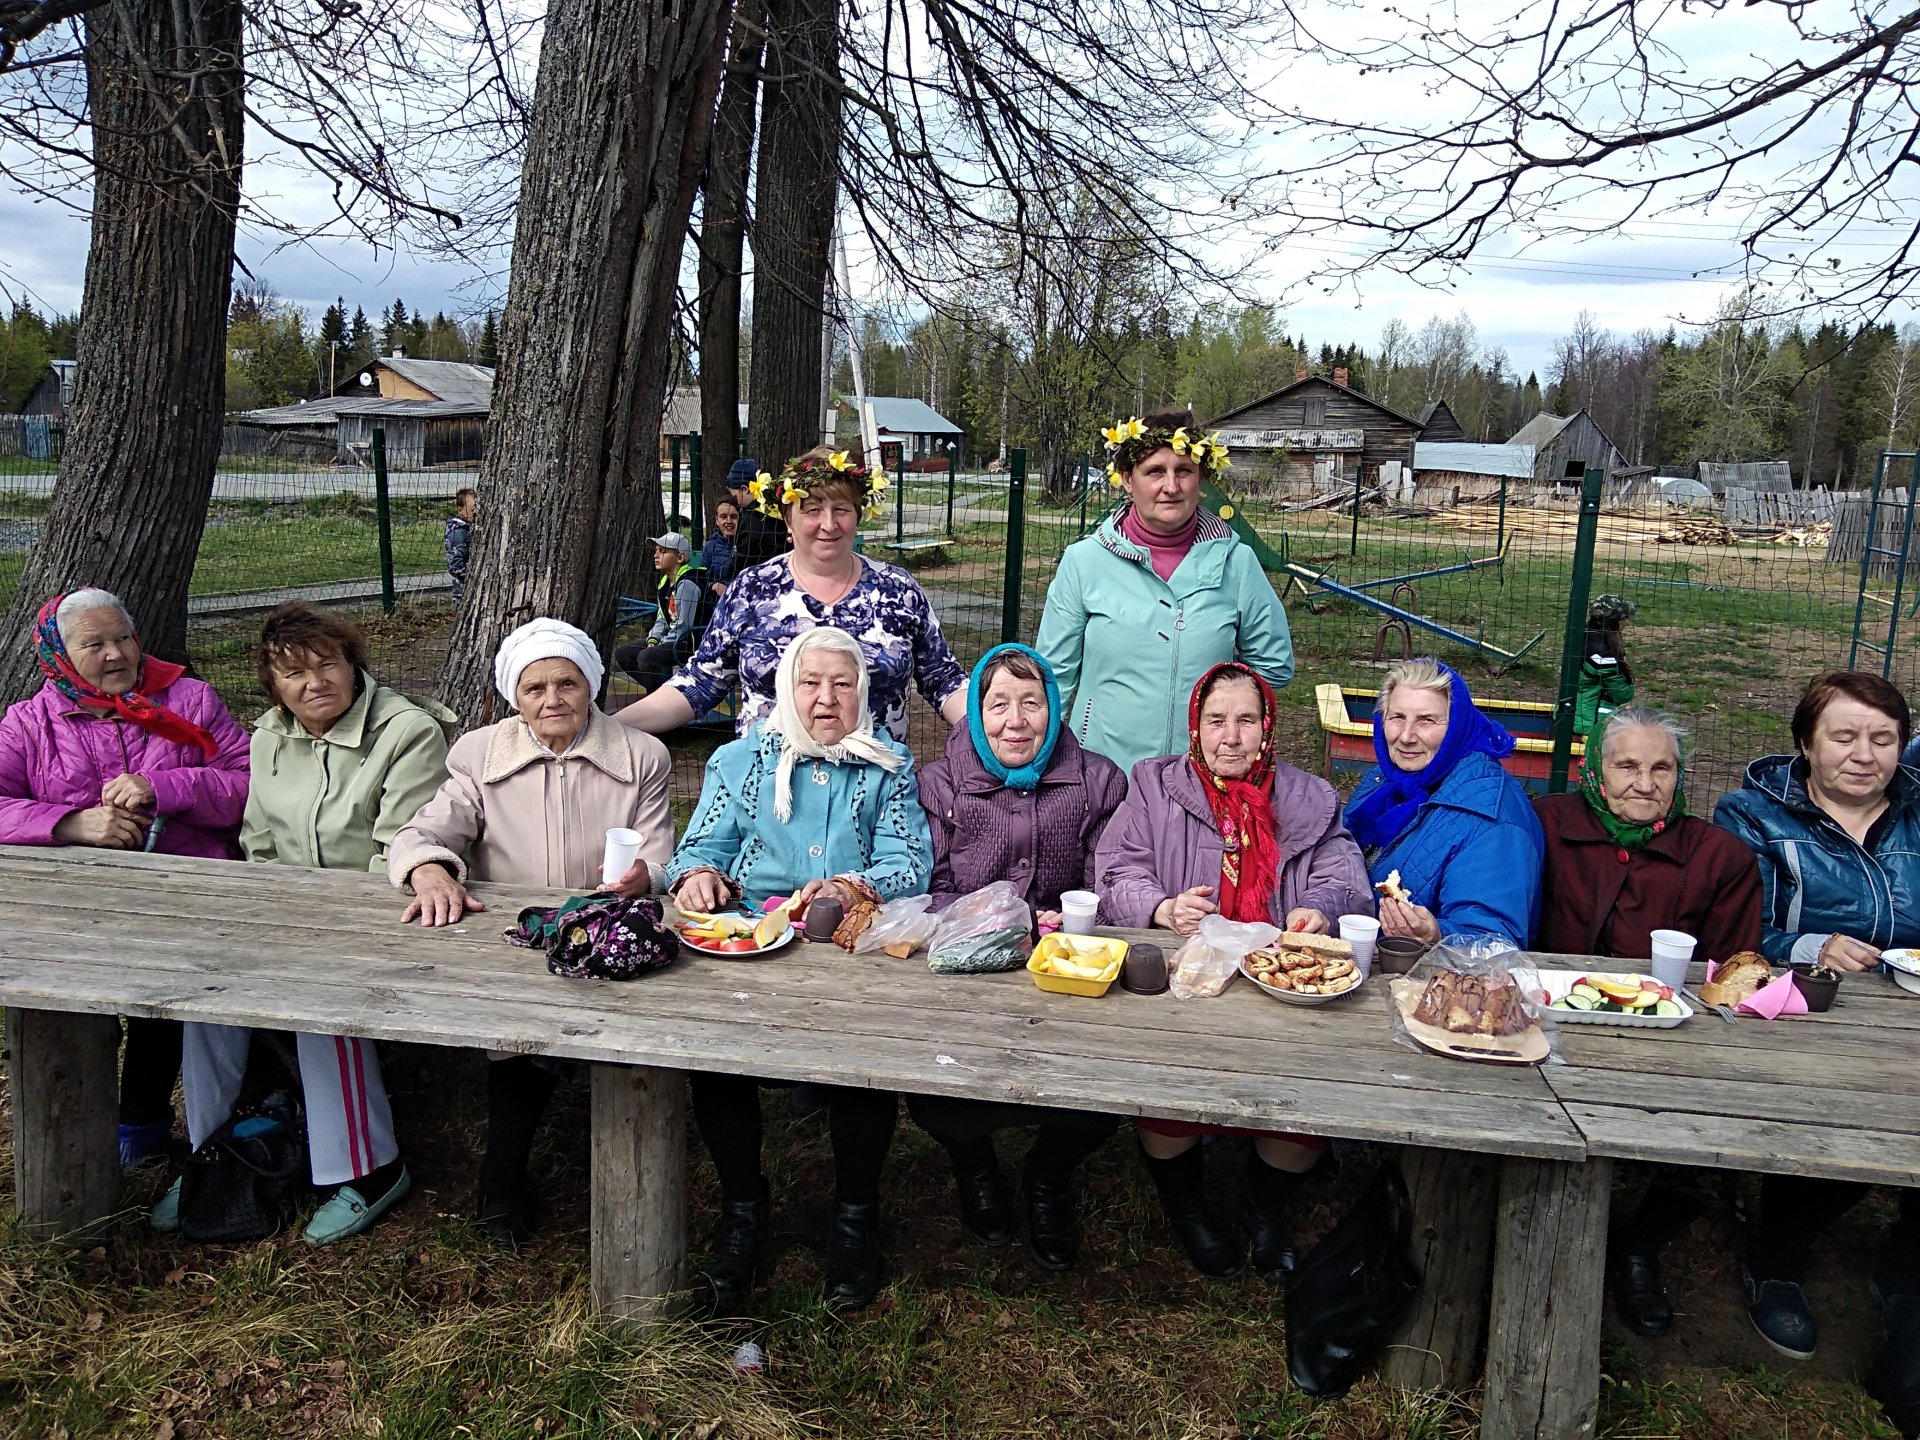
column 1397, row 954
column 1819, row 994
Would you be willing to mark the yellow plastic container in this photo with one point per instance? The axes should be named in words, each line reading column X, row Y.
column 1080, row 947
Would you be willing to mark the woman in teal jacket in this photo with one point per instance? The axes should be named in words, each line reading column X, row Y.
column 1161, row 593
column 812, row 804
column 1441, row 813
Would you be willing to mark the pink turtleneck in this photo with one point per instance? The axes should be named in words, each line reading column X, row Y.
column 1165, row 552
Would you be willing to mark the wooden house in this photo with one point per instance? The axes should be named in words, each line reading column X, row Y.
column 1437, row 423
column 431, row 412
column 1316, row 432
column 1565, row 447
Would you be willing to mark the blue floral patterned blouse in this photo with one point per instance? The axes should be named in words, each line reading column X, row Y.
column 765, row 610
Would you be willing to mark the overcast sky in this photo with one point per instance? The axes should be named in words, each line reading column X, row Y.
column 1645, row 275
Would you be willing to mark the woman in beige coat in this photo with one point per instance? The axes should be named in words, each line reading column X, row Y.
column 529, row 802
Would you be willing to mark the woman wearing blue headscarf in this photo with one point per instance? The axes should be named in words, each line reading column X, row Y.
column 1016, row 798
column 1440, row 815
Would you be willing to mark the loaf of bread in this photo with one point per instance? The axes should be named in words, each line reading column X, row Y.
column 1737, row 978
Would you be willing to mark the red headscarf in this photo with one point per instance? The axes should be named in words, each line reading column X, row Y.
column 1242, row 809
column 51, row 651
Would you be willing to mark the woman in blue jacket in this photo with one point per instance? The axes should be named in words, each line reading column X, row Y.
column 1836, row 829
column 1156, row 597
column 812, row 803
column 1439, row 811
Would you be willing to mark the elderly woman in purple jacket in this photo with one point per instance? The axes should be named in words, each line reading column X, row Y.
column 1229, row 828
column 122, row 751
column 1016, row 798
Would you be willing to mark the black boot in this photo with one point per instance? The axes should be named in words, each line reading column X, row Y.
column 739, row 1251
column 986, row 1204
column 1641, row 1294
column 1053, row 1219
column 1269, row 1191
column 1209, row 1241
column 853, row 1256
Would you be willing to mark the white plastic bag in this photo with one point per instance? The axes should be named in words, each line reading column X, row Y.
column 1207, row 963
column 900, row 922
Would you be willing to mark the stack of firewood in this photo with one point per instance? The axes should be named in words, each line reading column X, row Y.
column 1696, row 530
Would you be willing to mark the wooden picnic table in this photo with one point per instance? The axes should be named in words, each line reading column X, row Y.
column 87, row 934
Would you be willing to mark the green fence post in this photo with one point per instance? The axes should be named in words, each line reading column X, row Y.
column 383, row 517
column 900, row 494
column 673, row 452
column 1353, row 547
column 1500, row 541
column 953, row 468
column 696, row 494
column 1572, row 650
column 1016, row 546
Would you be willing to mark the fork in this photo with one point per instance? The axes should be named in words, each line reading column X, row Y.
column 1722, row 1011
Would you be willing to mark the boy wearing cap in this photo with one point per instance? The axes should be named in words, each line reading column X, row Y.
column 681, row 591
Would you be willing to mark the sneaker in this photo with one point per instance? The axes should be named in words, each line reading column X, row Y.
column 141, row 1143
column 165, row 1215
column 349, row 1212
column 1778, row 1310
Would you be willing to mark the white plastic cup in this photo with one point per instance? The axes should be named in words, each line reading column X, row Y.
column 1672, row 951
column 623, row 848
column 1077, row 911
column 1361, row 932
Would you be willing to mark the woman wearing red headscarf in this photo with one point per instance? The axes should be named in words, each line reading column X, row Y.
column 122, row 751
column 1229, row 828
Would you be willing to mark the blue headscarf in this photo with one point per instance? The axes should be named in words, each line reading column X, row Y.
column 1381, row 814
column 1028, row 775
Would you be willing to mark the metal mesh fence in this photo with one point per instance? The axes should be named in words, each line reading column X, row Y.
column 1736, row 601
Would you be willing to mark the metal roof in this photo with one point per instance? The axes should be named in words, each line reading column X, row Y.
column 1540, row 430
column 327, row 411
column 1472, row 459
column 898, row 415
column 444, row 379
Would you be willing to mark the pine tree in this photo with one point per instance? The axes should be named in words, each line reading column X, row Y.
column 487, row 352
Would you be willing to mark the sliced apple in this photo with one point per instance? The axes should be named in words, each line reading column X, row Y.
column 1614, row 988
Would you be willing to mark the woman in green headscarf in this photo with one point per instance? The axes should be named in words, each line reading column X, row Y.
column 1623, row 859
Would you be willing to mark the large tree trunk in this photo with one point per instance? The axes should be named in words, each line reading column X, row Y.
column 164, row 89
column 722, row 241
column 622, row 114
column 794, row 191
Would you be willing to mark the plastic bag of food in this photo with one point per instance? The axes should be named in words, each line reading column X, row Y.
column 991, row 929
column 1476, row 997
column 901, row 927
column 1207, row 963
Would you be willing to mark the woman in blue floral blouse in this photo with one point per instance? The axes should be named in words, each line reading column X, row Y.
column 821, row 581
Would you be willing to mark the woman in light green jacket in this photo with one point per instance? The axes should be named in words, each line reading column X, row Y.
column 337, row 766
column 1161, row 593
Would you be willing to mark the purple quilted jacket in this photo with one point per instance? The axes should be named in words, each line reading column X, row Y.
column 1165, row 840
column 54, row 757
column 1042, row 840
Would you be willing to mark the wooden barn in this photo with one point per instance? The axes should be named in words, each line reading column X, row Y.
column 1314, row 433
column 1565, row 447
column 419, row 433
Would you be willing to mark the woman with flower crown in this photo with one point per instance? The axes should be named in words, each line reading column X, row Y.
column 821, row 496
column 1155, row 598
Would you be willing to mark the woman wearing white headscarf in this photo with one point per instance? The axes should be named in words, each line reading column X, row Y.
column 529, row 801
column 811, row 803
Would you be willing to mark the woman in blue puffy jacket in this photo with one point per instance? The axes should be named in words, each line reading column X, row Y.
column 1439, row 812
column 1836, row 829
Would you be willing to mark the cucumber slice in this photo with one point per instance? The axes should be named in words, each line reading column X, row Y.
column 1574, row 1000
column 1672, row 1009
column 1587, row 992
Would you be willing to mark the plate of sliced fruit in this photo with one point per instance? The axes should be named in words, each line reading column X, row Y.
column 1575, row 997
column 733, row 935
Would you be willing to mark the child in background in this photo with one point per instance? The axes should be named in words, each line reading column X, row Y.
column 1606, row 683
column 459, row 526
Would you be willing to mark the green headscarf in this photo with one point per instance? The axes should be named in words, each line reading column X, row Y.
column 1624, row 833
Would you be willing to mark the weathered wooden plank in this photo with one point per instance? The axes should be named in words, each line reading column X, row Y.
column 1454, row 1194
column 1853, row 1102
column 66, row 1089
column 1737, row 1143
column 1543, row 1350
column 603, row 1025
column 639, row 1177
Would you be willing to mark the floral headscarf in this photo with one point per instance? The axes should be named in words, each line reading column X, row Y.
column 135, row 708
column 1242, row 808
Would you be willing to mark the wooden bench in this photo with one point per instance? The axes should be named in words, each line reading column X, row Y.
column 87, row 934
column 912, row 544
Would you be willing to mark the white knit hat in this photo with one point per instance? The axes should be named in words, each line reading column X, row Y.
column 545, row 639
